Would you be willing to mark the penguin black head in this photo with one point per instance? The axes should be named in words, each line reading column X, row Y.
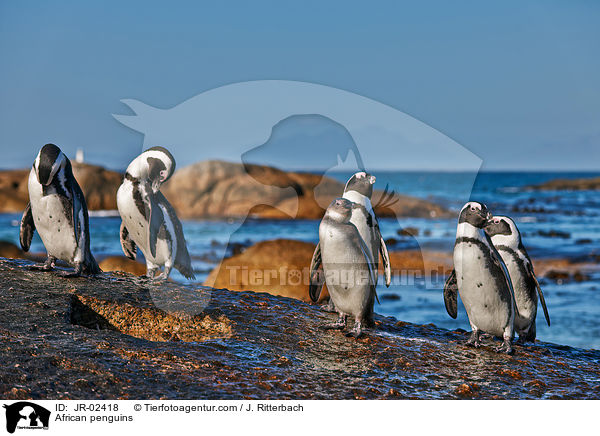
column 50, row 160
column 504, row 228
column 340, row 210
column 474, row 213
column 156, row 165
column 362, row 183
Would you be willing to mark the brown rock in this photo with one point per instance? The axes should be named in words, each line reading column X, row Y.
column 13, row 190
column 278, row 267
column 568, row 185
column 98, row 184
column 223, row 189
column 114, row 336
column 123, row 264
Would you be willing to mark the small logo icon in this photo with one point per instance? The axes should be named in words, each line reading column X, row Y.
column 26, row 415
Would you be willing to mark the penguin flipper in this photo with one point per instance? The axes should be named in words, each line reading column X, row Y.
column 540, row 293
column 372, row 266
column 77, row 200
column 497, row 259
column 127, row 245
column 451, row 295
column 316, row 284
column 385, row 256
column 27, row 228
column 183, row 263
column 156, row 220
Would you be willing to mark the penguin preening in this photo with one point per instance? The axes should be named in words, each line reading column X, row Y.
column 58, row 211
column 148, row 219
column 507, row 240
column 348, row 267
column 481, row 279
column 359, row 190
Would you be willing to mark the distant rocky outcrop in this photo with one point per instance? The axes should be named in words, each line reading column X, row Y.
column 119, row 337
column 216, row 189
column 588, row 184
column 98, row 184
column 281, row 267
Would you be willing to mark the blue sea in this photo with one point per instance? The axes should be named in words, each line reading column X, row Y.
column 574, row 306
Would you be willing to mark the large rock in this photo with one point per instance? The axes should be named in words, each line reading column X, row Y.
column 123, row 264
column 278, row 267
column 119, row 337
column 98, row 184
column 13, row 190
column 217, row 189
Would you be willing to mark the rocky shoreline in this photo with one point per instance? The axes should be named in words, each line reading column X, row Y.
column 118, row 336
column 218, row 189
column 281, row 267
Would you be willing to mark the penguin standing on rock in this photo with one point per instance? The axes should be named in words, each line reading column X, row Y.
column 507, row 240
column 58, row 211
column 359, row 190
column 148, row 219
column 348, row 267
column 481, row 279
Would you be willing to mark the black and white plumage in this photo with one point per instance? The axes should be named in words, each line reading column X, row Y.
column 359, row 190
column 481, row 279
column 148, row 219
column 507, row 240
column 58, row 211
column 347, row 266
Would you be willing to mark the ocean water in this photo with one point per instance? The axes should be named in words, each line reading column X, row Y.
column 574, row 306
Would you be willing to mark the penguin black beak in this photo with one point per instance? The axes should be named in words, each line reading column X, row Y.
column 156, row 185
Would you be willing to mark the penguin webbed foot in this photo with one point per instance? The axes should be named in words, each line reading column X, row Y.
column 506, row 347
column 474, row 340
column 162, row 277
column 46, row 266
column 329, row 307
column 72, row 274
column 356, row 331
column 340, row 324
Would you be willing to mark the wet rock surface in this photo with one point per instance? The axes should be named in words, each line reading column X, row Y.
column 117, row 336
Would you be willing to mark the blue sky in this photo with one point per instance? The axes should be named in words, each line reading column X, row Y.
column 517, row 83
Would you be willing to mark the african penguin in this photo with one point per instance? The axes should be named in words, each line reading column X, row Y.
column 148, row 219
column 481, row 279
column 507, row 240
column 359, row 189
column 348, row 267
column 58, row 211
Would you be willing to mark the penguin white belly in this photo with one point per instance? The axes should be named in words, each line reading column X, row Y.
column 525, row 301
column 54, row 227
column 477, row 288
column 137, row 226
column 346, row 273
